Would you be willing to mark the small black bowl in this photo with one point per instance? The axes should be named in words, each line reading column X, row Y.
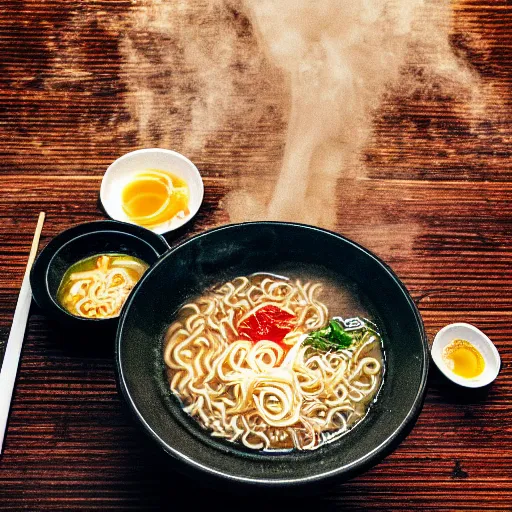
column 242, row 249
column 80, row 242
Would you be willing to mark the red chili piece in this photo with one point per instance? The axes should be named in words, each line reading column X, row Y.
column 268, row 323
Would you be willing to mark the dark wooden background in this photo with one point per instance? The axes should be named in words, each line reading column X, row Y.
column 435, row 203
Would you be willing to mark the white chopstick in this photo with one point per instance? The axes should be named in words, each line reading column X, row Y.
column 15, row 341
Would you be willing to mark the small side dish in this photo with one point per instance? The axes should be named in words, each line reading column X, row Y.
column 130, row 250
column 465, row 355
column 157, row 189
column 97, row 286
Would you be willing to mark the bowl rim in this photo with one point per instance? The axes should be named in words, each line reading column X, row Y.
column 198, row 179
column 39, row 271
column 365, row 462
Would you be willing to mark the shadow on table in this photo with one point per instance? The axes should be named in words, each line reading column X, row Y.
column 162, row 486
column 451, row 393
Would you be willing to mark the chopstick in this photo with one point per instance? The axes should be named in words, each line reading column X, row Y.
column 15, row 340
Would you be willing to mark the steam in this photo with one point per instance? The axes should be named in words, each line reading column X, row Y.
column 341, row 57
column 217, row 73
column 190, row 68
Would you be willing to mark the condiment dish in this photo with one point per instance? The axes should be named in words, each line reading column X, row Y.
column 468, row 332
column 123, row 170
column 80, row 242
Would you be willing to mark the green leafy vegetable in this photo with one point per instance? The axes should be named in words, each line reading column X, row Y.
column 332, row 337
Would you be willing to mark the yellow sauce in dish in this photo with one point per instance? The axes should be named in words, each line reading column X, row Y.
column 154, row 197
column 463, row 359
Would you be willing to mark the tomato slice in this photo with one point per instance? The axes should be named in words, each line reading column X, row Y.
column 267, row 323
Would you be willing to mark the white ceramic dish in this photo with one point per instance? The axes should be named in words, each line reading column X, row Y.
column 122, row 170
column 475, row 336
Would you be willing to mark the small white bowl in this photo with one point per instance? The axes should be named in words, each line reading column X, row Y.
column 122, row 170
column 475, row 336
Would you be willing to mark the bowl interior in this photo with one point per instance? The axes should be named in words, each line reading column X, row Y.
column 223, row 254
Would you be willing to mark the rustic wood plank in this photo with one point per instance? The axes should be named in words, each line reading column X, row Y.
column 443, row 180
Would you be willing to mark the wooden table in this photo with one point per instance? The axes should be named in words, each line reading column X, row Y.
column 84, row 82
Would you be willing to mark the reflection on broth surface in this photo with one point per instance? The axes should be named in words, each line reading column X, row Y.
column 266, row 361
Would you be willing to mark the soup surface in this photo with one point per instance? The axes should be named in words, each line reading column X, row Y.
column 263, row 361
column 97, row 287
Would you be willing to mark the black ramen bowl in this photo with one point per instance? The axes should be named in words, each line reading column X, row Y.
column 236, row 250
column 80, row 242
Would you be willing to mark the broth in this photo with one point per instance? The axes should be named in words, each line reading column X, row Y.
column 268, row 361
column 98, row 286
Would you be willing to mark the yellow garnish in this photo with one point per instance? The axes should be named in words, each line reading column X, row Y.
column 463, row 359
column 154, row 197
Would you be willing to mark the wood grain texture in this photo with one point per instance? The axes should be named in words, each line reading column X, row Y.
column 435, row 176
